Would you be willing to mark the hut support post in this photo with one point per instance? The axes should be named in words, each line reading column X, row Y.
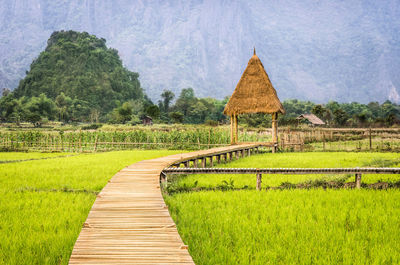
column 232, row 136
column 274, row 131
column 236, row 128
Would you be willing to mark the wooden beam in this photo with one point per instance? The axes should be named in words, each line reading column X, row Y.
column 289, row 171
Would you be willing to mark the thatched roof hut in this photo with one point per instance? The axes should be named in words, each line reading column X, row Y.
column 254, row 93
column 311, row 118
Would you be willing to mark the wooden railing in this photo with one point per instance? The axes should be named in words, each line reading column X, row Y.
column 259, row 171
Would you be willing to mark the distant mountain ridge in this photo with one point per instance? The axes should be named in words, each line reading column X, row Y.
column 319, row 51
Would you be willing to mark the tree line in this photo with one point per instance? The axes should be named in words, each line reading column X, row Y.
column 189, row 109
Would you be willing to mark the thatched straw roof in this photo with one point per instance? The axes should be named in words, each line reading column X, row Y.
column 311, row 118
column 254, row 93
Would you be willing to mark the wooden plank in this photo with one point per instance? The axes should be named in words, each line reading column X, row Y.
column 129, row 222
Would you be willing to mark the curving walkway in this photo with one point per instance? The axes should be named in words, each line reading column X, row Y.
column 129, row 222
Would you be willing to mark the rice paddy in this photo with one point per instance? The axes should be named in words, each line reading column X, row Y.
column 294, row 226
column 43, row 203
column 290, row 227
column 18, row 156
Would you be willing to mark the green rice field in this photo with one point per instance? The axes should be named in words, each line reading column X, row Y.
column 43, row 203
column 290, row 227
column 18, row 156
column 295, row 226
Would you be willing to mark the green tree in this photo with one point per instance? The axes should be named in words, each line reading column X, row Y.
column 340, row 117
column 39, row 108
column 153, row 111
column 176, row 116
column 185, row 102
column 167, row 96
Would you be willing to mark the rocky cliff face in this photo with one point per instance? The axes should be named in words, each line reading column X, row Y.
column 320, row 51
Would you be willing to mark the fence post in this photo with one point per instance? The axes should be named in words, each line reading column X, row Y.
column 164, row 180
column 211, row 161
column 95, row 143
column 370, row 139
column 358, row 180
column 203, row 162
column 259, row 177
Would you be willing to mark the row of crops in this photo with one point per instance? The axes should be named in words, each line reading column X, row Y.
column 90, row 141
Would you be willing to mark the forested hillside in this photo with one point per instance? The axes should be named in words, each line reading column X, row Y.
column 83, row 68
column 76, row 78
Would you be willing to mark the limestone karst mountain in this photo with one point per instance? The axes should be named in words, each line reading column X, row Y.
column 320, row 51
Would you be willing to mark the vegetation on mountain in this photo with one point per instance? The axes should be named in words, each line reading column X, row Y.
column 80, row 74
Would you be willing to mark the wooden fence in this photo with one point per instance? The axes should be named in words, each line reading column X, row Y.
column 340, row 139
column 318, row 139
column 259, row 171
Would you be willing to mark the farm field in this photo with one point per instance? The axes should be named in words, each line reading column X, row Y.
column 17, row 156
column 124, row 138
column 43, row 203
column 289, row 227
column 292, row 226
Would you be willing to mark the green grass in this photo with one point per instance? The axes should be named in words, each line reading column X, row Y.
column 295, row 226
column 297, row 160
column 13, row 156
column 290, row 227
column 43, row 203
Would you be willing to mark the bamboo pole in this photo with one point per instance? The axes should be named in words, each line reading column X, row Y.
column 274, row 131
column 236, row 128
column 232, row 136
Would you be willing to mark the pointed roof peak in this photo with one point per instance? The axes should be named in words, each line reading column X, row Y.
column 254, row 53
column 254, row 93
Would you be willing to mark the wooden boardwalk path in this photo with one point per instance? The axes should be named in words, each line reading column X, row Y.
column 129, row 222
